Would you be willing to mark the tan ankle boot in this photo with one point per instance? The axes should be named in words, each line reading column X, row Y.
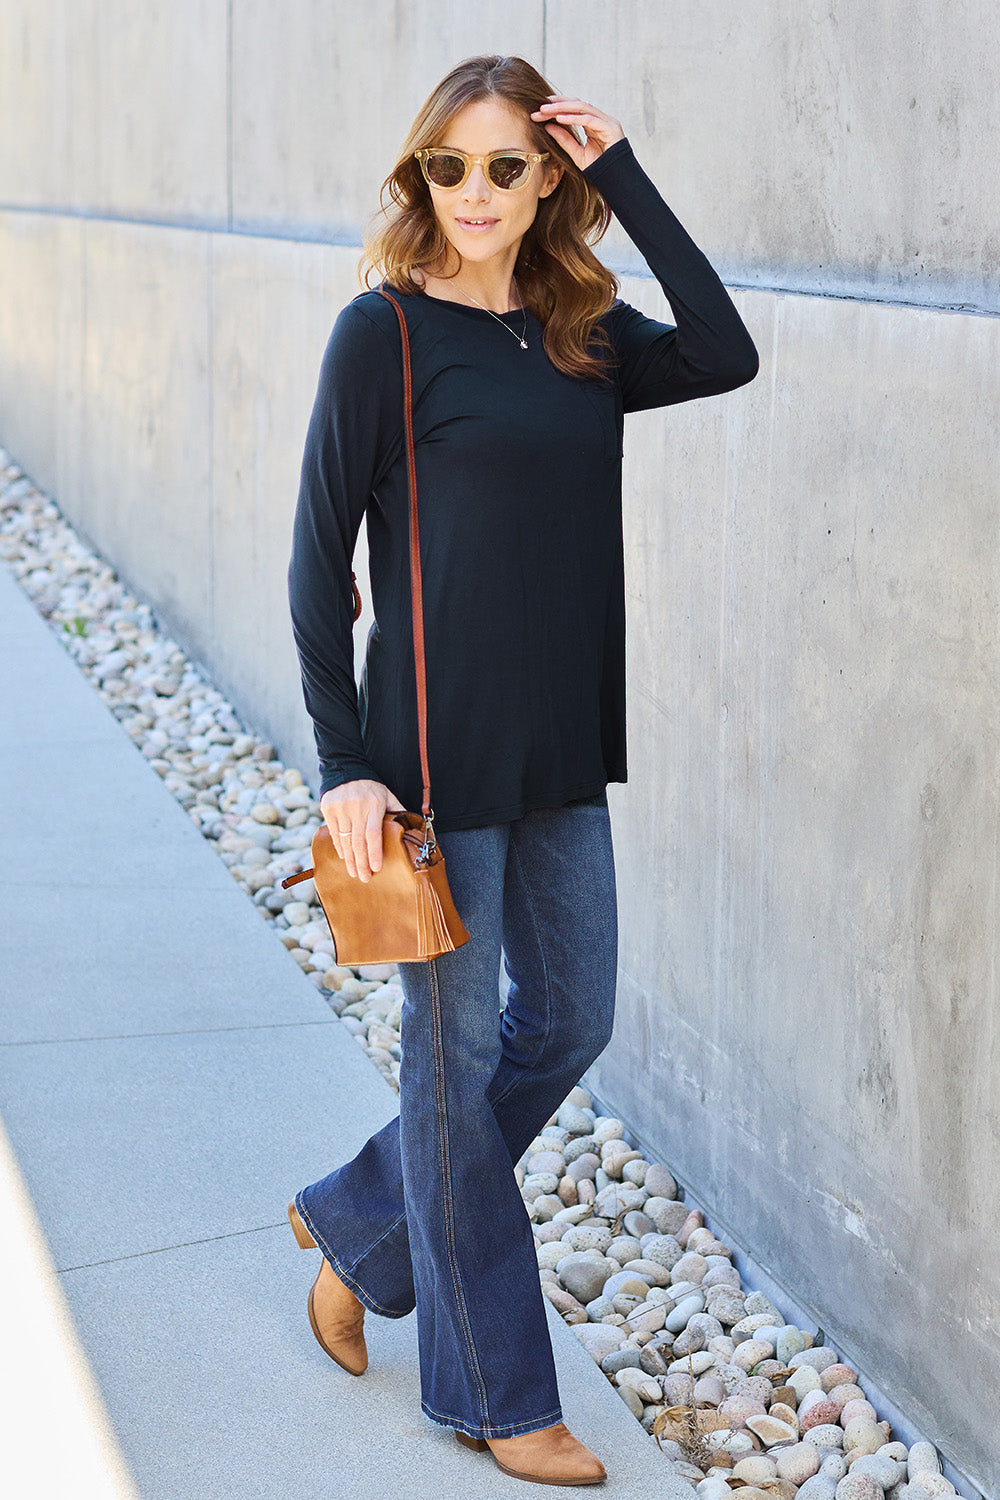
column 551, row 1456
column 335, row 1315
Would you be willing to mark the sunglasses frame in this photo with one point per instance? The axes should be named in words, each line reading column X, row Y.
column 531, row 158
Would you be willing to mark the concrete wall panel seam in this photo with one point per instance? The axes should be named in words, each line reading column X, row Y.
column 302, row 234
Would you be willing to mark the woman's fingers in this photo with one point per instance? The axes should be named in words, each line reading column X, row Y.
column 353, row 813
column 372, row 844
column 358, row 862
column 559, row 112
column 570, row 144
column 577, row 109
column 362, row 842
column 355, row 850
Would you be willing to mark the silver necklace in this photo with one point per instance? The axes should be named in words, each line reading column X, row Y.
column 521, row 337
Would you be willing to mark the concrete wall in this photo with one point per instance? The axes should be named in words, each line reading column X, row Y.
column 848, row 148
column 808, row 890
column 807, row 849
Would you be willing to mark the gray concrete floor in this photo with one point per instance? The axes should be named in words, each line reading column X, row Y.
column 168, row 1078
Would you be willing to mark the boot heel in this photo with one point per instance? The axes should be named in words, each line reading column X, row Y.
column 478, row 1445
column 301, row 1233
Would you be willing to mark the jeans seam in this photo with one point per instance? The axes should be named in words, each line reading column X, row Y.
column 449, row 1223
column 345, row 1275
column 545, row 968
column 375, row 1243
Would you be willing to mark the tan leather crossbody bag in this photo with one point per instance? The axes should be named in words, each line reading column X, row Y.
column 405, row 912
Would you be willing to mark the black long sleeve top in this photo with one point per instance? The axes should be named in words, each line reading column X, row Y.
column 519, row 484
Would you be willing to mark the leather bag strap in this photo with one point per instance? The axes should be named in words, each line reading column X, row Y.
column 416, row 587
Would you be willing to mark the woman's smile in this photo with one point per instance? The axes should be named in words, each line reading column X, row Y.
column 475, row 226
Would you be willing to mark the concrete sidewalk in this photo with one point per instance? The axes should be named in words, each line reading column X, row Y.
column 168, row 1078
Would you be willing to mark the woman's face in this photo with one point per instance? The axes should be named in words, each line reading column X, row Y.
column 479, row 220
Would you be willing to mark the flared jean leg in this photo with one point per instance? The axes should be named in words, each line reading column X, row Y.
column 486, row 1363
column 429, row 1211
column 358, row 1212
column 560, row 951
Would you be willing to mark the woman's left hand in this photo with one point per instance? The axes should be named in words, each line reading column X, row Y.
column 602, row 131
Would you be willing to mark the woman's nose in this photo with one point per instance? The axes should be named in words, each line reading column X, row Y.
column 477, row 185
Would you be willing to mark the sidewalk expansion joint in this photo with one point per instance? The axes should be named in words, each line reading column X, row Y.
column 113, row 1260
column 128, row 1036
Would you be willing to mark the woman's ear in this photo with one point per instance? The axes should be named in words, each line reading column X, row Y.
column 553, row 177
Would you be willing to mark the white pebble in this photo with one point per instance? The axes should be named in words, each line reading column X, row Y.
column 714, row 1487
column 696, row 1364
column 923, row 1459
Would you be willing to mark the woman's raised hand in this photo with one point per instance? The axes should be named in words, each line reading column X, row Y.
column 353, row 812
column 557, row 113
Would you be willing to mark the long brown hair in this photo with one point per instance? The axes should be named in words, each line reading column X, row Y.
column 560, row 278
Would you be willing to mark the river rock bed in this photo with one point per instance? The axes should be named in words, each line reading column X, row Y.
column 656, row 1301
column 648, row 1289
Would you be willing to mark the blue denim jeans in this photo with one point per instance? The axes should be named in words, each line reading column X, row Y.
column 428, row 1214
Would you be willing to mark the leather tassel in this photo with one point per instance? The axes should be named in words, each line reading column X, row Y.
column 431, row 924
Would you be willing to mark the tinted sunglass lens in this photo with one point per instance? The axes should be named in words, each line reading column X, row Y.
column 444, row 169
column 507, row 172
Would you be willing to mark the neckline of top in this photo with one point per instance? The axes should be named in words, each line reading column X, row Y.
column 478, row 312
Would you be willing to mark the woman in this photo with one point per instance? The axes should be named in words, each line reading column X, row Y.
column 523, row 366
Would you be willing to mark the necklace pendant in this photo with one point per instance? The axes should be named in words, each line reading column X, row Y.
column 523, row 343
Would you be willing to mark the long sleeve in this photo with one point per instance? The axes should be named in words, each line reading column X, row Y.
column 352, row 435
column 710, row 350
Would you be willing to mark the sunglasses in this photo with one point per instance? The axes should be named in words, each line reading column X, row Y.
column 506, row 170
